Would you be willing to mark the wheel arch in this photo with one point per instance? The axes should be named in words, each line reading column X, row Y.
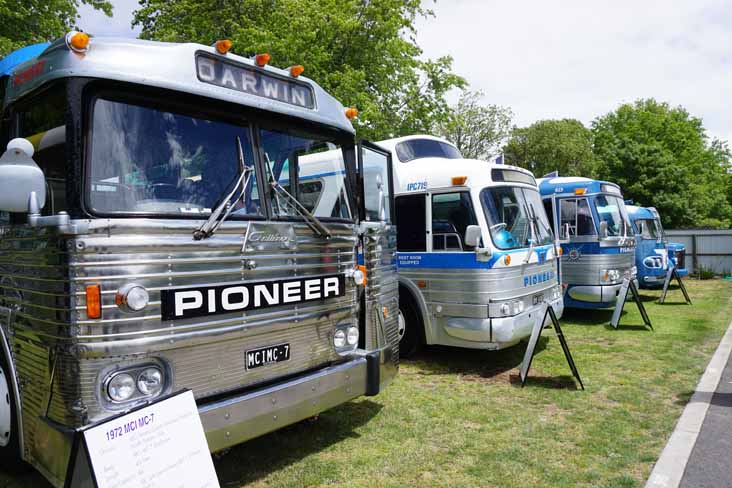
column 13, row 376
column 417, row 297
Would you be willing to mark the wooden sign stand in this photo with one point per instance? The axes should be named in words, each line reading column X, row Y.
column 534, row 340
column 672, row 273
column 629, row 285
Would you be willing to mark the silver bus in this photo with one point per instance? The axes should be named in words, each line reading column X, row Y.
column 155, row 236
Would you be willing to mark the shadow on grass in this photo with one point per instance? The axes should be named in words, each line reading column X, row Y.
column 584, row 316
column 630, row 327
column 562, row 382
column 443, row 360
column 256, row 459
column 23, row 479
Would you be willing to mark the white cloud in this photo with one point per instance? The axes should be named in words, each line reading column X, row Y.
column 580, row 59
column 119, row 25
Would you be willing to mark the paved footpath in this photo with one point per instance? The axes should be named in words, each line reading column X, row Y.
column 699, row 451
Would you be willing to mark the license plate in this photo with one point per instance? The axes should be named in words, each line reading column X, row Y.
column 267, row 355
column 538, row 298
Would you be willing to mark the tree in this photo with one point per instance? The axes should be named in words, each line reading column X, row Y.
column 477, row 130
column 552, row 145
column 28, row 22
column 362, row 51
column 662, row 157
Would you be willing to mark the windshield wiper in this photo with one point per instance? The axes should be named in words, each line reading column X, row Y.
column 532, row 227
column 226, row 206
column 310, row 219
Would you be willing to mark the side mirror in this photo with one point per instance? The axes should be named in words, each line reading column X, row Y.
column 21, row 178
column 603, row 229
column 472, row 235
column 564, row 232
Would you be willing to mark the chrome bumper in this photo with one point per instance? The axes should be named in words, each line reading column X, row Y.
column 596, row 293
column 233, row 420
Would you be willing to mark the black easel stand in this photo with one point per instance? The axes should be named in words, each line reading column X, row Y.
column 534, row 340
column 629, row 284
column 672, row 273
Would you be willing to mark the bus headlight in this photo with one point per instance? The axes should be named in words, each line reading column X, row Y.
column 505, row 309
column 352, row 336
column 132, row 298
column 339, row 338
column 345, row 338
column 121, row 387
column 609, row 275
column 150, row 381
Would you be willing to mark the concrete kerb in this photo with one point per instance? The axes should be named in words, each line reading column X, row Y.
column 670, row 467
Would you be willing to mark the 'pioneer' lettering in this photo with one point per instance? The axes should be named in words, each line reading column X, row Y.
column 196, row 302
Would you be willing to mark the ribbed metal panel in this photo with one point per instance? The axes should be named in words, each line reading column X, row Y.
column 585, row 270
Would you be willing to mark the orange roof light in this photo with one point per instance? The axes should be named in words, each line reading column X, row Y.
column 223, row 46
column 93, row 301
column 78, row 41
column 459, row 180
column 262, row 59
column 351, row 113
column 580, row 191
column 296, row 70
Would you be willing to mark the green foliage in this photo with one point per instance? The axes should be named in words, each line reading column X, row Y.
column 26, row 22
column 363, row 52
column 477, row 130
column 661, row 156
column 552, row 145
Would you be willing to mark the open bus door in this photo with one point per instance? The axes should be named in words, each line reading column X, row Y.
column 378, row 248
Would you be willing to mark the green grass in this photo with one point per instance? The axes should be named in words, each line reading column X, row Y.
column 459, row 418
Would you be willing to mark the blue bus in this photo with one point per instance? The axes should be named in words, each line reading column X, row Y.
column 598, row 244
column 653, row 251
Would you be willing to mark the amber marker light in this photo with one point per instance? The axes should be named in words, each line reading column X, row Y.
column 580, row 191
column 78, row 41
column 351, row 113
column 459, row 180
column 223, row 46
column 507, row 259
column 296, row 70
column 262, row 59
column 93, row 301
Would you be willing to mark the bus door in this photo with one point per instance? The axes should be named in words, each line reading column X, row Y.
column 378, row 247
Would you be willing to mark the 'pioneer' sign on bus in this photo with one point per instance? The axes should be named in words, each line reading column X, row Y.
column 185, row 303
column 253, row 81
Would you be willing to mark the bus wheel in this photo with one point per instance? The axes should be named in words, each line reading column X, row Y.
column 409, row 324
column 9, row 448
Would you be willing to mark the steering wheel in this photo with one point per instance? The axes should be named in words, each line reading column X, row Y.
column 497, row 227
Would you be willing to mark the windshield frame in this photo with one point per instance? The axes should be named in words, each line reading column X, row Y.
column 249, row 119
column 630, row 231
column 523, row 187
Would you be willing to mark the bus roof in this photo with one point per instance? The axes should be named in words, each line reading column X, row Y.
column 175, row 66
column 390, row 144
column 642, row 213
column 563, row 185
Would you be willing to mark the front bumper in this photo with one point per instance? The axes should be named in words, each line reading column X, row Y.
column 597, row 295
column 233, row 420
column 499, row 332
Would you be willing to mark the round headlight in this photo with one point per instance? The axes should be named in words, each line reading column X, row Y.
column 505, row 309
column 352, row 336
column 121, row 387
column 339, row 338
column 150, row 381
column 132, row 298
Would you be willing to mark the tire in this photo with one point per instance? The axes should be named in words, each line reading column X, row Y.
column 10, row 459
column 410, row 334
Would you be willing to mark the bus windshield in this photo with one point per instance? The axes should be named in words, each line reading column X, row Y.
column 150, row 161
column 610, row 209
column 649, row 228
column 509, row 211
column 412, row 149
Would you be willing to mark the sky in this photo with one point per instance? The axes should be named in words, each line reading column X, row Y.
column 569, row 58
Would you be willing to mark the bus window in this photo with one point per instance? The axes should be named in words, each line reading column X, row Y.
column 43, row 123
column 549, row 208
column 412, row 228
column 576, row 212
column 425, row 148
column 452, row 213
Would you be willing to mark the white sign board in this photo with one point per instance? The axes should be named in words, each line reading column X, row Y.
column 159, row 445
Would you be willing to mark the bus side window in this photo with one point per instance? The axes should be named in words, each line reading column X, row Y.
column 452, row 213
column 576, row 212
column 43, row 123
column 412, row 228
column 549, row 208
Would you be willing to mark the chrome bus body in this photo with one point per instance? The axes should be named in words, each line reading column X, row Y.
column 592, row 267
column 60, row 359
column 484, row 299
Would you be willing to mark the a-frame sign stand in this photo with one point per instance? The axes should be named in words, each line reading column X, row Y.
column 629, row 285
column 670, row 274
column 534, row 340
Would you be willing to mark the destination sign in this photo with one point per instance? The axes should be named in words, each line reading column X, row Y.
column 253, row 81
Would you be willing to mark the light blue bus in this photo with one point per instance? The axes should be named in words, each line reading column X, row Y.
column 598, row 244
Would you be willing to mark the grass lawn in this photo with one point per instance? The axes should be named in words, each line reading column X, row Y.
column 459, row 417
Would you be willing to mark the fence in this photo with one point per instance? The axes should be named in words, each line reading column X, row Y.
column 708, row 249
